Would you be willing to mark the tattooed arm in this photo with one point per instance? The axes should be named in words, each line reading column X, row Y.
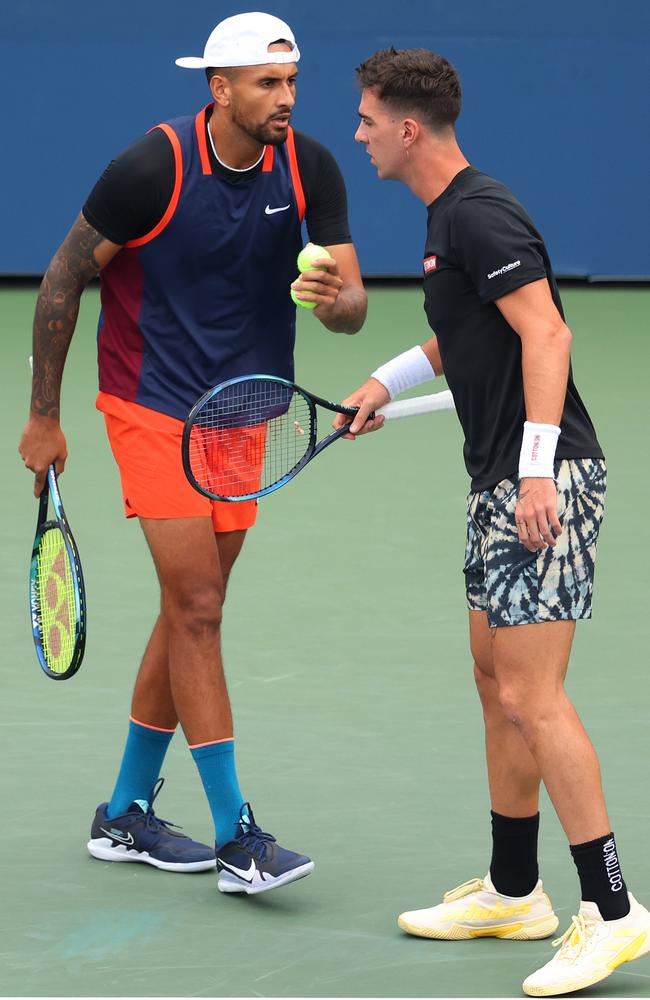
column 80, row 257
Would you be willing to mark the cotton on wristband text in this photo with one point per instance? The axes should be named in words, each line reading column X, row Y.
column 537, row 453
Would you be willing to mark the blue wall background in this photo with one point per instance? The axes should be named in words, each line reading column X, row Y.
column 555, row 105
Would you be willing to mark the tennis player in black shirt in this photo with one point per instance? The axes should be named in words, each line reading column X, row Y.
column 534, row 511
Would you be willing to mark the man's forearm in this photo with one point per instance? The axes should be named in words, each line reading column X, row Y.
column 432, row 351
column 54, row 323
column 545, row 363
column 70, row 270
column 348, row 313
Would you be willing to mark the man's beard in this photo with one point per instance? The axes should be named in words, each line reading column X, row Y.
column 265, row 134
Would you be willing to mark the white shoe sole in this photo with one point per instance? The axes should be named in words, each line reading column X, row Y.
column 105, row 850
column 230, row 883
column 530, row 930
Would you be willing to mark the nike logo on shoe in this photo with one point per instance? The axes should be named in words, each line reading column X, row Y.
column 118, row 835
column 271, row 211
column 247, row 876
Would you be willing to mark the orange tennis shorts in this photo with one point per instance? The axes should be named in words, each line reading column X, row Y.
column 147, row 448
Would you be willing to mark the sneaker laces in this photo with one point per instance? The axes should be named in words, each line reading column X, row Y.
column 474, row 885
column 153, row 822
column 574, row 938
column 253, row 838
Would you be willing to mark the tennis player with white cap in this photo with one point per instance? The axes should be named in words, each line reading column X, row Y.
column 244, row 40
column 194, row 231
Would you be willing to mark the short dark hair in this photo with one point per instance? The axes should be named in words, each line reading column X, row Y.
column 414, row 80
column 217, row 71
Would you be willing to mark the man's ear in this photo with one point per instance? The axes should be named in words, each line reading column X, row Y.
column 220, row 90
column 409, row 132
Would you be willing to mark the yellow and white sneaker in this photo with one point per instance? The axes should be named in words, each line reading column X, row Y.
column 591, row 949
column 475, row 909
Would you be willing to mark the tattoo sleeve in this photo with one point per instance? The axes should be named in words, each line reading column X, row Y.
column 70, row 270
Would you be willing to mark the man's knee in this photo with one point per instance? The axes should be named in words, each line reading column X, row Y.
column 513, row 703
column 532, row 712
column 194, row 607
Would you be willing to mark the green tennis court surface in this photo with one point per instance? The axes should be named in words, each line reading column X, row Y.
column 359, row 731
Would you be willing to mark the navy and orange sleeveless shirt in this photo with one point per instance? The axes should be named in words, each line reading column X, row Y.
column 204, row 295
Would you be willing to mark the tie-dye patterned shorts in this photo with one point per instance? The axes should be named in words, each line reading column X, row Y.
column 518, row 587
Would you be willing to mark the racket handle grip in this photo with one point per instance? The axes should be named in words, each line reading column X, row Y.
column 417, row 405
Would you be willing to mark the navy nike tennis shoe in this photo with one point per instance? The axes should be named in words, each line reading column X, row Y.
column 139, row 835
column 253, row 862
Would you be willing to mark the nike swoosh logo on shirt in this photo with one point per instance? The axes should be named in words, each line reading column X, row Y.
column 271, row 211
column 247, row 876
column 116, row 836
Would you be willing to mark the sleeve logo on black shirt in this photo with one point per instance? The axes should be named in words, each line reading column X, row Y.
column 505, row 269
column 430, row 264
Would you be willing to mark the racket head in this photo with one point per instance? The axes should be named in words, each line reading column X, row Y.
column 57, row 596
column 248, row 437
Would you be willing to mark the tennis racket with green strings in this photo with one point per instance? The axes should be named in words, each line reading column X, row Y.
column 57, row 596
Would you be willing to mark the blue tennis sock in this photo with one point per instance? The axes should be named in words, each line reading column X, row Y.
column 143, row 756
column 216, row 764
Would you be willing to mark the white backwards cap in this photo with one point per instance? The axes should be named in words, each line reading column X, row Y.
column 243, row 40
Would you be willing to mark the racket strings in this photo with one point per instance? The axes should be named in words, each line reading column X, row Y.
column 56, row 598
column 248, row 437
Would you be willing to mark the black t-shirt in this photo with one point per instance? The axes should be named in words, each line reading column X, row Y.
column 481, row 245
column 133, row 193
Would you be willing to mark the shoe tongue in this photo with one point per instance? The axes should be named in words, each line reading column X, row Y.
column 590, row 910
column 488, row 884
column 245, row 821
column 139, row 805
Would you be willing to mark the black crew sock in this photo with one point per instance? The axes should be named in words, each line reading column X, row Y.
column 513, row 868
column 600, row 876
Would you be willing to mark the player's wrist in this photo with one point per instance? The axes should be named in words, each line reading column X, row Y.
column 377, row 393
column 537, row 455
column 405, row 371
column 43, row 427
column 344, row 314
column 43, row 418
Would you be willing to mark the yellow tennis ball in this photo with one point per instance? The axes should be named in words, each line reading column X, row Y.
column 306, row 257
column 303, row 302
column 309, row 254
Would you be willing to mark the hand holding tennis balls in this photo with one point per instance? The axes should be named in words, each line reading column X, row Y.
column 309, row 253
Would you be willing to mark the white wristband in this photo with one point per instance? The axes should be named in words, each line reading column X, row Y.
column 538, row 451
column 403, row 372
